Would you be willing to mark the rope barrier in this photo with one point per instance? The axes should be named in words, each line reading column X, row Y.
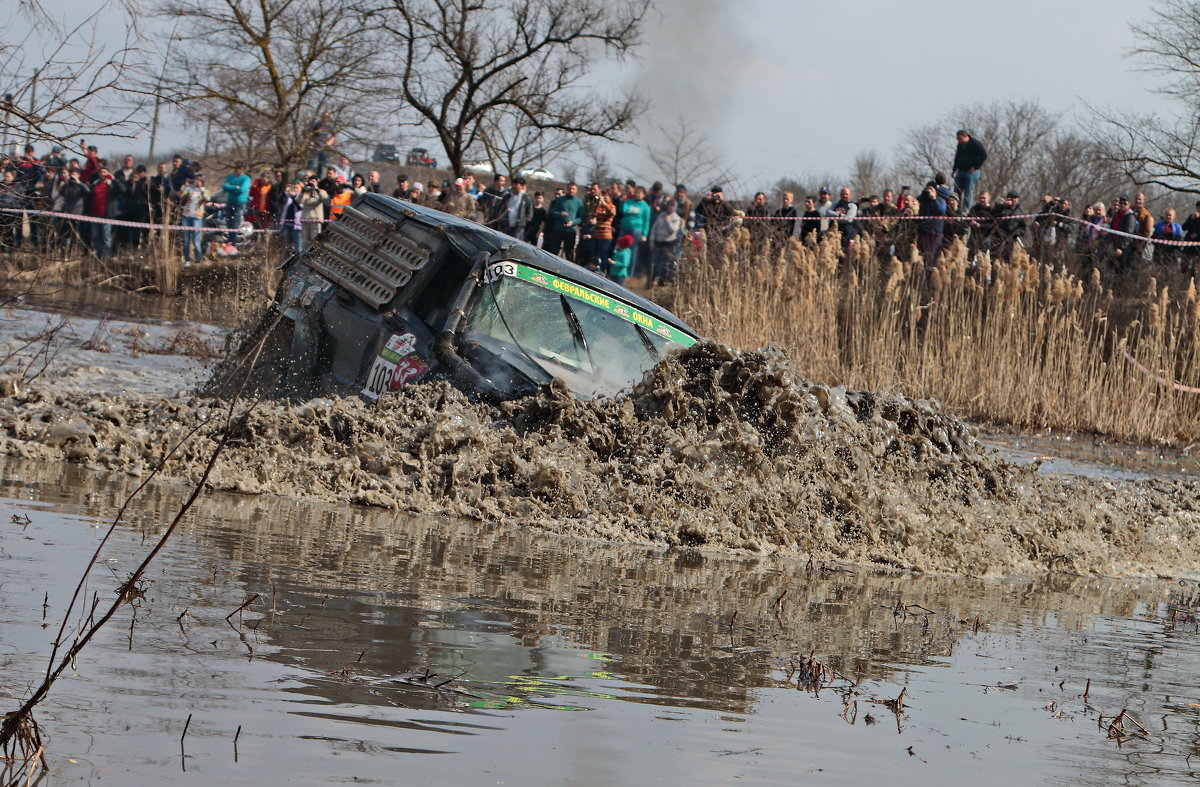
column 981, row 220
column 1157, row 378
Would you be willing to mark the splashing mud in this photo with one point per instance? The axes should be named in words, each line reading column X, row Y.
column 716, row 448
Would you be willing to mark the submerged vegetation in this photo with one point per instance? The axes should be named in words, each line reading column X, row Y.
column 1008, row 342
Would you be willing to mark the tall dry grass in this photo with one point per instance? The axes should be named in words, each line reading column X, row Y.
column 1001, row 342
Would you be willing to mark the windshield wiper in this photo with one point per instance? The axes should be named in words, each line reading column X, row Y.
column 644, row 335
column 500, row 313
column 577, row 329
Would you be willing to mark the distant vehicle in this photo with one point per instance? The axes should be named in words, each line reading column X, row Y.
column 419, row 157
column 385, row 152
column 392, row 292
column 479, row 168
column 537, row 174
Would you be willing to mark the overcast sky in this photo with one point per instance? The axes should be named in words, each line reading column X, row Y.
column 788, row 87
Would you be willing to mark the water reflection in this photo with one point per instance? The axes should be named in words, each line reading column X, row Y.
column 678, row 661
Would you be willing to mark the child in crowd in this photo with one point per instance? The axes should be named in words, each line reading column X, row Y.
column 622, row 256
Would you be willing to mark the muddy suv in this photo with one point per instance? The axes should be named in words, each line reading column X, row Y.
column 392, row 292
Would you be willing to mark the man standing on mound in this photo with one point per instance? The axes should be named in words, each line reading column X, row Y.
column 969, row 157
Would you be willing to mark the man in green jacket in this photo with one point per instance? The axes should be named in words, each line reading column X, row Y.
column 562, row 223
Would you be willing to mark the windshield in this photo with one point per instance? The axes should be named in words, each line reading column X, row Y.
column 597, row 345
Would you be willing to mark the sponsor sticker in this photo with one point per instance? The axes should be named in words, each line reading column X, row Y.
column 379, row 378
column 586, row 295
column 399, row 346
column 408, row 369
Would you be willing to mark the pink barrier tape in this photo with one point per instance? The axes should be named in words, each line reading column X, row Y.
column 1157, row 378
column 980, row 220
column 120, row 222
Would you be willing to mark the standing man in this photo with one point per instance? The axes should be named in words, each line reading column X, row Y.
column 321, row 140
column 401, row 190
column 1008, row 231
column 845, row 208
column 969, row 157
column 787, row 211
column 824, row 203
column 491, row 202
column 585, row 252
column 516, row 210
column 562, row 222
column 236, row 188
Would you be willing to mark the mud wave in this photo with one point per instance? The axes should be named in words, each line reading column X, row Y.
column 715, row 449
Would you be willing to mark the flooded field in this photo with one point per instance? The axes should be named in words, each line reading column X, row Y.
column 567, row 660
column 704, row 582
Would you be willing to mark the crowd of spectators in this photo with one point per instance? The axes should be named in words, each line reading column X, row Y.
column 620, row 229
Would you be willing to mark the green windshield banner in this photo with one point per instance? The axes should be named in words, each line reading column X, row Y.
column 580, row 293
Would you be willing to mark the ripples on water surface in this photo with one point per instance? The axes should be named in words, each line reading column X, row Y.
column 575, row 662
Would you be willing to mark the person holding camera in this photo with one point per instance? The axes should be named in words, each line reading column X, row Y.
column 312, row 211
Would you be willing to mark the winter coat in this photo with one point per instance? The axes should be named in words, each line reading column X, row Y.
column 635, row 219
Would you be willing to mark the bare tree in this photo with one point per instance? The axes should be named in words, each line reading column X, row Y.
column 1154, row 149
column 262, row 71
column 465, row 65
column 866, row 173
column 682, row 154
column 511, row 142
column 1012, row 131
column 63, row 81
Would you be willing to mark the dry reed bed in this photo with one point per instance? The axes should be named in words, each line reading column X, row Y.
column 1004, row 342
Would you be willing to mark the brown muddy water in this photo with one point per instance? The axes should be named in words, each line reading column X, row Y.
column 573, row 661
column 612, row 592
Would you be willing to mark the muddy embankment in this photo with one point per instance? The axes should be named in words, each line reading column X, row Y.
column 715, row 449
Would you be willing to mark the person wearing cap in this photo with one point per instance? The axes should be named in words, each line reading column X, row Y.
column 969, row 157
column 401, row 190
column 620, row 264
column 91, row 165
column 458, row 202
column 824, row 204
column 714, row 215
column 1009, row 231
column 515, row 210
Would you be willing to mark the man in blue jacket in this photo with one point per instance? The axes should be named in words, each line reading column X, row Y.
column 236, row 187
column 969, row 157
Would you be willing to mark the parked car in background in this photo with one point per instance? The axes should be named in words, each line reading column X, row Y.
column 537, row 174
column 419, row 157
column 384, row 152
column 479, row 168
